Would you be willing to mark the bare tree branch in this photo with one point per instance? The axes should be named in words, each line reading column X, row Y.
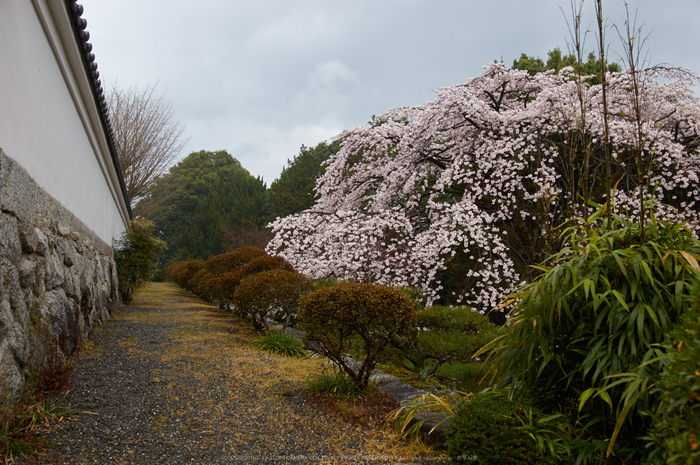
column 147, row 137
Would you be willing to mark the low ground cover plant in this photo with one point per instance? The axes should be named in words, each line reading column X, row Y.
column 467, row 377
column 282, row 343
column 24, row 427
column 335, row 383
column 485, row 430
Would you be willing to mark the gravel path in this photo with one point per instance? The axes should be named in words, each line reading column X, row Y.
column 172, row 381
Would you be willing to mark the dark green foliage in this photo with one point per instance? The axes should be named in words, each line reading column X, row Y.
column 469, row 377
column 556, row 61
column 676, row 430
column 271, row 294
column 485, row 430
column 446, row 335
column 360, row 319
column 584, row 338
column 200, row 197
column 135, row 254
column 282, row 343
column 294, row 190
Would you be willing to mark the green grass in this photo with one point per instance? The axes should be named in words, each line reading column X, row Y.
column 282, row 343
column 335, row 383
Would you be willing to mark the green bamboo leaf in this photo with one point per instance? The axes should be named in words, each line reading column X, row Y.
column 601, row 365
column 620, row 265
column 630, row 400
column 601, row 318
column 606, row 397
column 640, row 323
column 647, row 270
column 574, row 288
column 585, row 396
column 652, row 314
column 593, row 353
column 636, row 267
column 494, row 343
column 620, row 298
column 633, row 286
column 621, row 345
column 549, row 418
column 679, row 295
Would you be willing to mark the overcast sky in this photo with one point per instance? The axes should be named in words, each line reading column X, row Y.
column 259, row 78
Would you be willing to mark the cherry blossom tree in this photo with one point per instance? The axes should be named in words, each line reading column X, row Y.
column 463, row 194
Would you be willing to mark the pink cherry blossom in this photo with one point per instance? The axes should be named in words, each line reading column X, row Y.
column 418, row 185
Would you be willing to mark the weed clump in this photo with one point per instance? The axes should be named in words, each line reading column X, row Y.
column 335, row 383
column 282, row 343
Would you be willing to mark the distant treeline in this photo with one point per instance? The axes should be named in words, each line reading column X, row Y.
column 209, row 203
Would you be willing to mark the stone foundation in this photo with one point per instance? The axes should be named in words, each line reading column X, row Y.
column 57, row 282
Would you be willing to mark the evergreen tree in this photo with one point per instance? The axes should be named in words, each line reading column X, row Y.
column 294, row 190
column 198, row 199
column 556, row 61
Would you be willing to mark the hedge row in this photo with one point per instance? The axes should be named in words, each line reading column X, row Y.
column 248, row 281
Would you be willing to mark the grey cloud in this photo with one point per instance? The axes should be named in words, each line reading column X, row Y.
column 261, row 78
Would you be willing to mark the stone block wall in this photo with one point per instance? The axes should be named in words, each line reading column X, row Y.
column 57, row 282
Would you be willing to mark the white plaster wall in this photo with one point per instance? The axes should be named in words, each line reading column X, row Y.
column 48, row 119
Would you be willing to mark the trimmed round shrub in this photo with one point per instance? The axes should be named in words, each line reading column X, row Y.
column 170, row 271
column 271, row 294
column 230, row 268
column 264, row 263
column 361, row 319
column 183, row 272
column 229, row 261
column 282, row 343
column 198, row 284
column 484, row 430
column 222, row 287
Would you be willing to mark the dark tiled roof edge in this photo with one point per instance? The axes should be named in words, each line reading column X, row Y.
column 82, row 36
